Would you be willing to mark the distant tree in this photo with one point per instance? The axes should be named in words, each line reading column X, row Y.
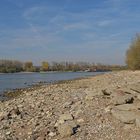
column 45, row 66
column 10, row 66
column 133, row 54
column 28, row 66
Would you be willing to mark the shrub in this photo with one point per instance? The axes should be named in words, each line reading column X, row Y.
column 133, row 54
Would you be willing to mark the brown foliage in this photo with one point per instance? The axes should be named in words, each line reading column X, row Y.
column 133, row 54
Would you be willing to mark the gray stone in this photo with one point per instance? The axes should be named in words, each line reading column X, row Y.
column 138, row 96
column 126, row 107
column 52, row 134
column 108, row 109
column 80, row 120
column 89, row 97
column 3, row 115
column 128, row 90
column 135, row 87
column 65, row 117
column 127, row 117
column 128, row 126
column 65, row 130
column 122, row 99
column 107, row 92
column 138, row 122
column 8, row 133
column 68, row 104
column 91, row 94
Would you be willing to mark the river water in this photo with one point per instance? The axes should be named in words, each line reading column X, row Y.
column 22, row 80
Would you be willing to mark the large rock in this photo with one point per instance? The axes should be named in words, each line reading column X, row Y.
column 138, row 96
column 135, row 87
column 91, row 94
column 127, row 117
column 128, row 90
column 126, row 107
column 122, row 99
column 138, row 121
column 68, row 104
column 107, row 92
column 64, row 117
column 67, row 129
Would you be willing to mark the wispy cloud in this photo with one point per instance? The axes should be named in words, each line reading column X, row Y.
column 34, row 12
column 105, row 23
column 75, row 26
column 95, row 31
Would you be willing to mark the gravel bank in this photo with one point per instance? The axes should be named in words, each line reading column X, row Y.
column 104, row 107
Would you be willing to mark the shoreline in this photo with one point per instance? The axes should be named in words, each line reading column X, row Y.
column 16, row 93
column 13, row 93
column 26, row 72
column 101, row 107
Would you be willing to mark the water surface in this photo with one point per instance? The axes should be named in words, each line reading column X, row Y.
column 22, row 80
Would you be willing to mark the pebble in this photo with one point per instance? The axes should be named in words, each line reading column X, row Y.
column 77, row 110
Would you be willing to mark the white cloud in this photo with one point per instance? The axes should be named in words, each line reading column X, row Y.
column 73, row 32
column 31, row 37
column 34, row 12
column 105, row 23
column 75, row 26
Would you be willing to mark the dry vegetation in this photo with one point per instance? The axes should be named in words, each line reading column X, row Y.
column 133, row 54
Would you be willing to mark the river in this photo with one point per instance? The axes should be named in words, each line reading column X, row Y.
column 22, row 80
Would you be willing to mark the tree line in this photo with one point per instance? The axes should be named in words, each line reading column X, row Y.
column 11, row 66
column 132, row 61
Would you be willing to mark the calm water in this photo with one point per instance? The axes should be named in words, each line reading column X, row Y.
column 21, row 80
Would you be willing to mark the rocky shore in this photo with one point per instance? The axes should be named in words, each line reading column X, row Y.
column 104, row 107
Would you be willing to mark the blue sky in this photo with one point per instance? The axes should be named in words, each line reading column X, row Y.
column 72, row 30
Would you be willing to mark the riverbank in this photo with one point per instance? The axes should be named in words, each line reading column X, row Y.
column 15, row 93
column 102, row 107
column 9, row 82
